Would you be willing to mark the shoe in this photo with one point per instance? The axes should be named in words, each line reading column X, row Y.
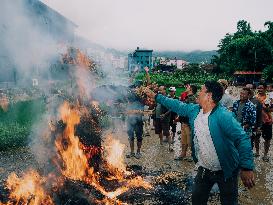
column 265, row 159
column 188, row 159
column 129, row 155
column 178, row 158
column 138, row 155
column 256, row 155
column 165, row 140
column 171, row 150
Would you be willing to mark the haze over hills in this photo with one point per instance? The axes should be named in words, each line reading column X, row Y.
column 197, row 56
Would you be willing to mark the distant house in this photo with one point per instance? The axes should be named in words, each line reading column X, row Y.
column 178, row 63
column 140, row 58
column 244, row 77
column 207, row 67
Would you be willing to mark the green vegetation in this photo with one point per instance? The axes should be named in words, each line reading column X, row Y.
column 16, row 122
column 192, row 73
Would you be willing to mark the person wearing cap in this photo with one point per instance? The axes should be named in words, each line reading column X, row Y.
column 162, row 120
column 173, row 123
column 226, row 100
column 220, row 146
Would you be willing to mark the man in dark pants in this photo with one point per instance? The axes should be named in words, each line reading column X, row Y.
column 220, row 146
column 134, row 123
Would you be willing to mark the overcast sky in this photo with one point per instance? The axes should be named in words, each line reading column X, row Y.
column 162, row 24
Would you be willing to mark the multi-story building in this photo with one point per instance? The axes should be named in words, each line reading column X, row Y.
column 140, row 58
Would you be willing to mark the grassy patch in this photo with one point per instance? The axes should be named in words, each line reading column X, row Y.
column 16, row 122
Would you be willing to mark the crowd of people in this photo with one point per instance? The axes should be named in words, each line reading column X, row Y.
column 219, row 131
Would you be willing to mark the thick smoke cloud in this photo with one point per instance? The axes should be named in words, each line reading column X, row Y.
column 24, row 45
column 29, row 47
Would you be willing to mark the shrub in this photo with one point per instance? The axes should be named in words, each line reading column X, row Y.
column 13, row 135
column 17, row 121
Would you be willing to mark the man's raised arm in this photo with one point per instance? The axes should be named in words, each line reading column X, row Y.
column 182, row 109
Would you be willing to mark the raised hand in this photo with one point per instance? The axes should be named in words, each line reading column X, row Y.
column 149, row 93
column 146, row 69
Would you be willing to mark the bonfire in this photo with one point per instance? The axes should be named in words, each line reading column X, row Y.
column 97, row 173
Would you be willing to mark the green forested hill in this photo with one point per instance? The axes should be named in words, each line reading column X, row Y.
column 192, row 57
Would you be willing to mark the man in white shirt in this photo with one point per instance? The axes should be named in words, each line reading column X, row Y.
column 221, row 148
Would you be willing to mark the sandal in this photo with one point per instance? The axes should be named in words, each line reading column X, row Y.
column 171, row 150
column 265, row 159
column 129, row 155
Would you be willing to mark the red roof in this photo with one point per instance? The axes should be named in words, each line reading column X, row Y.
column 247, row 73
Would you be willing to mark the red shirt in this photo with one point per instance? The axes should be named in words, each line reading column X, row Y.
column 183, row 96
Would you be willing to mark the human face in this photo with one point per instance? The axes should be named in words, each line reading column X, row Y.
column 250, row 86
column 269, row 88
column 260, row 88
column 244, row 95
column 261, row 98
column 162, row 90
column 203, row 96
column 172, row 93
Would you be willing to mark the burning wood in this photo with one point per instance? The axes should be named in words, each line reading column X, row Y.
column 74, row 170
column 28, row 189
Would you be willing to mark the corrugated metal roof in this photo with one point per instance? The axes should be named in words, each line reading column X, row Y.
column 247, row 73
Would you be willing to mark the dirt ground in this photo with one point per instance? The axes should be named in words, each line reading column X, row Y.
column 157, row 157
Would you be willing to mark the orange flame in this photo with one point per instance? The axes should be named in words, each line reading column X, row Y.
column 28, row 189
column 114, row 154
column 76, row 163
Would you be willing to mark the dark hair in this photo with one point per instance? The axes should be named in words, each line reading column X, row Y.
column 216, row 89
column 194, row 89
column 248, row 90
column 264, row 85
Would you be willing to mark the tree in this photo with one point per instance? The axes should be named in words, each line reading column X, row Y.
column 245, row 50
column 268, row 73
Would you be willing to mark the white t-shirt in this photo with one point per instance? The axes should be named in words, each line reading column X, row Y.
column 269, row 97
column 205, row 150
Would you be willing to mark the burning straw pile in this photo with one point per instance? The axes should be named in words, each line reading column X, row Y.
column 81, row 168
column 82, row 171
